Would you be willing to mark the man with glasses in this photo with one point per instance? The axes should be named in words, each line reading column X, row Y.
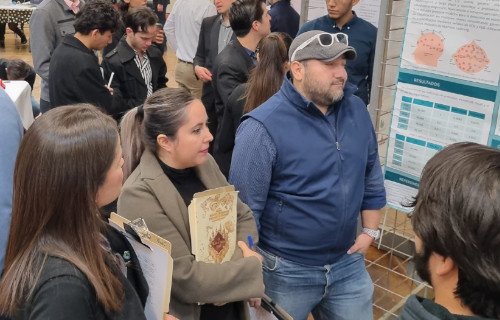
column 362, row 37
column 306, row 162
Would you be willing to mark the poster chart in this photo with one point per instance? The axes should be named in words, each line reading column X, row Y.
column 447, row 89
column 366, row 9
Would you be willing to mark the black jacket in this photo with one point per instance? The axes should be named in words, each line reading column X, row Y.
column 207, row 51
column 76, row 76
column 208, row 45
column 129, row 88
column 231, row 68
column 223, row 150
column 64, row 292
column 284, row 18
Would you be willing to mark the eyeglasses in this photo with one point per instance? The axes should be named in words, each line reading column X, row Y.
column 324, row 39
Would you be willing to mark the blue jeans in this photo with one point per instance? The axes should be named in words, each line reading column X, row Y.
column 342, row 290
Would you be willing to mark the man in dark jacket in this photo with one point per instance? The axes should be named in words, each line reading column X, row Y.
column 251, row 22
column 284, row 17
column 160, row 8
column 138, row 67
column 75, row 75
column 51, row 21
column 215, row 34
column 456, row 219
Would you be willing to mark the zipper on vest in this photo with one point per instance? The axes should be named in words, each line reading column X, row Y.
column 337, row 132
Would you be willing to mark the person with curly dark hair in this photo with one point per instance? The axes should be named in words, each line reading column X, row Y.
column 456, row 219
column 75, row 75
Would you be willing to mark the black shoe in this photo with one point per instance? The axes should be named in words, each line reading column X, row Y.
column 23, row 39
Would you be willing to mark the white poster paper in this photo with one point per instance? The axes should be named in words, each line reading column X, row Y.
column 454, row 38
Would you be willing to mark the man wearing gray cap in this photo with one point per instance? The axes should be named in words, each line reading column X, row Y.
column 306, row 162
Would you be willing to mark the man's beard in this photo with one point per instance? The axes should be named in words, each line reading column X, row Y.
column 421, row 261
column 319, row 95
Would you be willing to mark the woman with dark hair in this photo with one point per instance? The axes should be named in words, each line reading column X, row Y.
column 165, row 145
column 264, row 81
column 59, row 263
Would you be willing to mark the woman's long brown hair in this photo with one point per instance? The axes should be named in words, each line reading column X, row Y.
column 266, row 78
column 62, row 161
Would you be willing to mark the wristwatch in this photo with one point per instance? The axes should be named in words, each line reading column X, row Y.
column 374, row 233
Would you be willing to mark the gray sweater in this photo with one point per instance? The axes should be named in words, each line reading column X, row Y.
column 50, row 22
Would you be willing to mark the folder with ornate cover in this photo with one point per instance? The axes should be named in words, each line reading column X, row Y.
column 212, row 221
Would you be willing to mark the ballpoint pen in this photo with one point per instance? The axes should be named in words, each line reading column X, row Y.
column 250, row 241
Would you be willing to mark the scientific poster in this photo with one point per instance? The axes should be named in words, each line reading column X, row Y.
column 454, row 38
column 447, row 88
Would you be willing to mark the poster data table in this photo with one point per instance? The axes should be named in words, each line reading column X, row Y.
column 447, row 88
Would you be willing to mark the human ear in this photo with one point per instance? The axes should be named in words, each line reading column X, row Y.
column 444, row 265
column 297, row 70
column 255, row 25
column 164, row 142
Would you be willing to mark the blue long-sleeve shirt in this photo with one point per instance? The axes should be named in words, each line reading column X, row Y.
column 362, row 37
column 11, row 132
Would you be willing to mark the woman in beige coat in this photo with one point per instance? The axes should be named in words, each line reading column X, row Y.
column 165, row 144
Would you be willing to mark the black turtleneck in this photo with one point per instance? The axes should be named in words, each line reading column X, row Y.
column 186, row 181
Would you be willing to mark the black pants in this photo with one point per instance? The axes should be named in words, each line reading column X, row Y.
column 12, row 26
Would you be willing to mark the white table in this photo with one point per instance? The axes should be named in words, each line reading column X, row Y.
column 20, row 93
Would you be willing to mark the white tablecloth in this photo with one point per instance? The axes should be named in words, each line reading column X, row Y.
column 20, row 93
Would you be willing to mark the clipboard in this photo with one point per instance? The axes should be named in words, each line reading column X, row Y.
column 154, row 254
column 270, row 306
